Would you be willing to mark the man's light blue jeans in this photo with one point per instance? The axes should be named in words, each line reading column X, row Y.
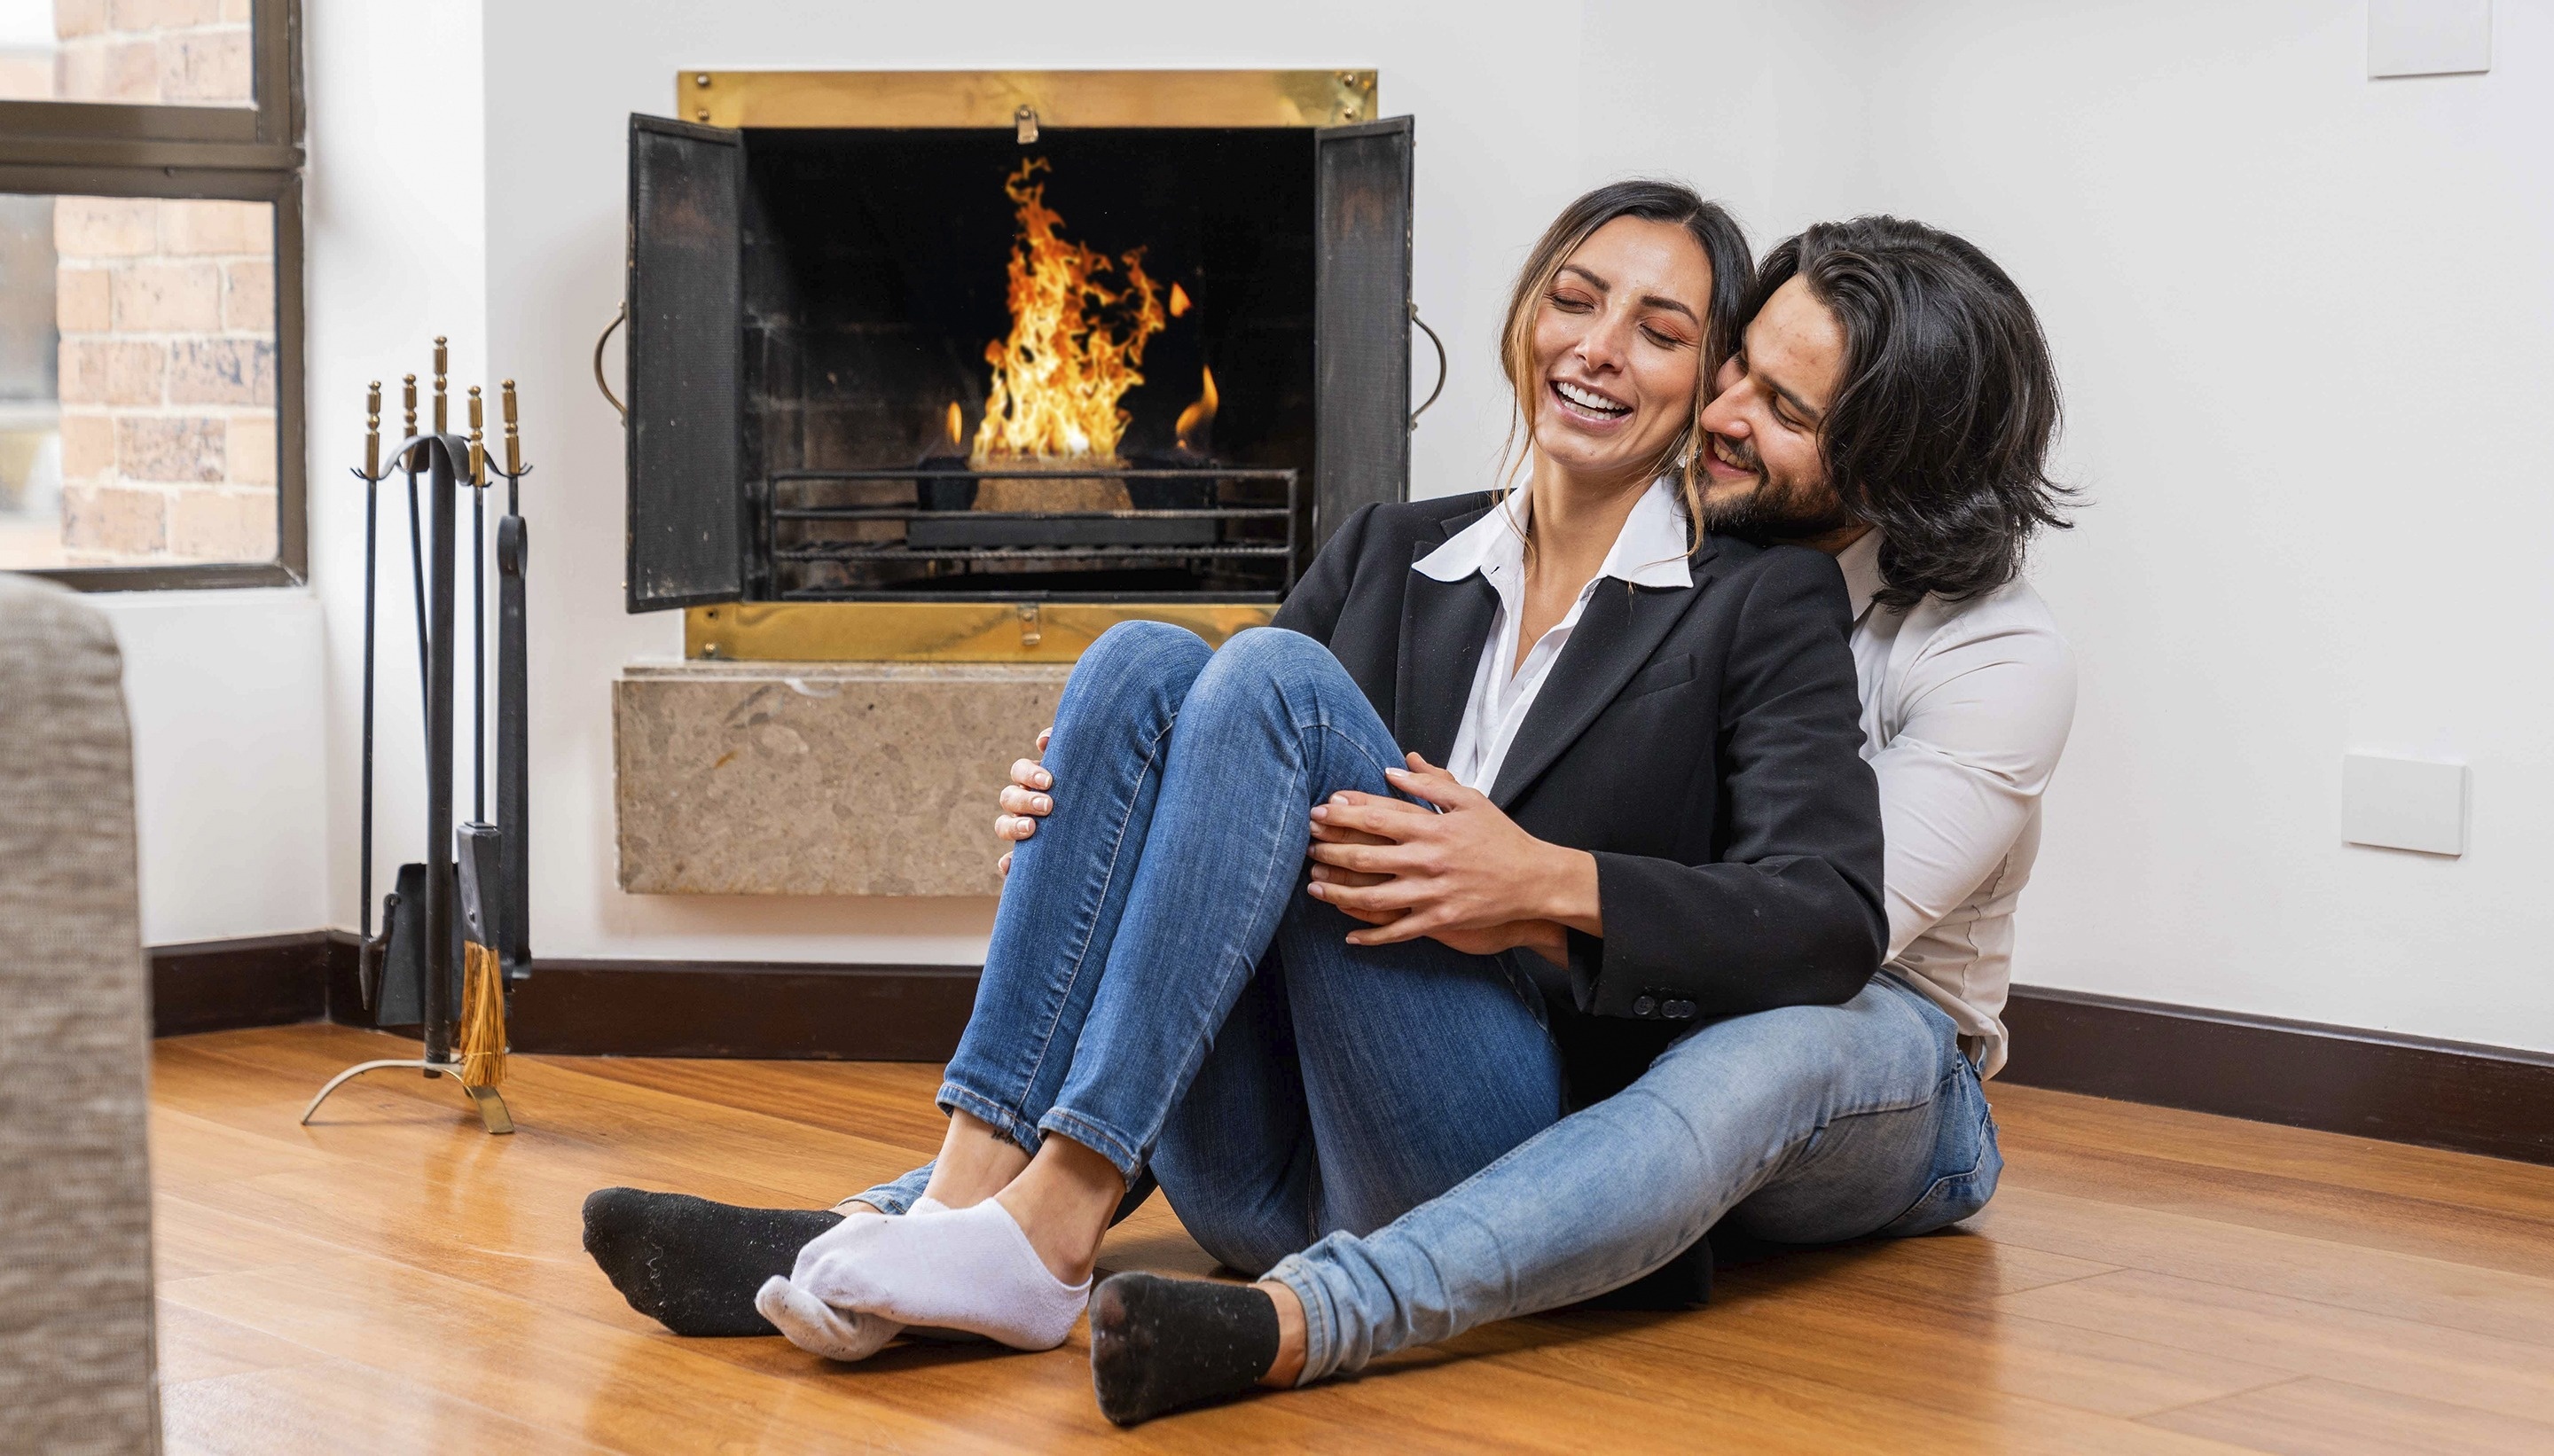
column 1382, row 1128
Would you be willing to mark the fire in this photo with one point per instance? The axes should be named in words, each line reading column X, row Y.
column 1077, row 339
column 1199, row 418
column 956, row 425
column 1179, row 300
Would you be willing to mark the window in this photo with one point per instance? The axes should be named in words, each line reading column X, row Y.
column 151, row 430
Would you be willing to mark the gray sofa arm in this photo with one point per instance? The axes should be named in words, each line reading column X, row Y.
column 76, row 1298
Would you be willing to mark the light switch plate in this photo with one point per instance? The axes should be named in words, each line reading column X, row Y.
column 2428, row 38
column 2404, row 804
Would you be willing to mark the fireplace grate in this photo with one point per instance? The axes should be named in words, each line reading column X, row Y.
column 1186, row 532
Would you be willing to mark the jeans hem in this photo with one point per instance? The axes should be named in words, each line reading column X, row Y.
column 1098, row 1139
column 954, row 1098
column 1321, row 1339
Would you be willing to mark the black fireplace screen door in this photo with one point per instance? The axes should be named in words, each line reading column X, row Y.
column 1362, row 320
column 693, row 533
column 689, row 531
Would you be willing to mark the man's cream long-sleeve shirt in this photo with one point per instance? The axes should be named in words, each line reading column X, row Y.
column 1965, row 709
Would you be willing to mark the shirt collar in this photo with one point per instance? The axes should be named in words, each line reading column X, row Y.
column 1650, row 550
column 1860, row 563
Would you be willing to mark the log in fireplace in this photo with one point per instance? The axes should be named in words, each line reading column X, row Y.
column 1020, row 339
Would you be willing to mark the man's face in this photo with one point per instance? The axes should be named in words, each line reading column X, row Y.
column 1763, row 475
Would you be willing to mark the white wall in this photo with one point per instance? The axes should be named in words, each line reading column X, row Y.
column 395, row 240
column 2307, row 334
column 2303, row 317
column 229, row 713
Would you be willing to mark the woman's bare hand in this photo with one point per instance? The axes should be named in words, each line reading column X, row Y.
column 1025, row 800
column 1466, row 873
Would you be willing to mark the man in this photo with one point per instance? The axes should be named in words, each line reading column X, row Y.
column 1893, row 402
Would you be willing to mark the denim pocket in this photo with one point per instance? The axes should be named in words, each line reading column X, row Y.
column 1966, row 1159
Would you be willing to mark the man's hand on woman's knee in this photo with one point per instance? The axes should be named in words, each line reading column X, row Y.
column 1455, row 868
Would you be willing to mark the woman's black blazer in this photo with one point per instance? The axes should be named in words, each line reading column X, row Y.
column 1703, row 743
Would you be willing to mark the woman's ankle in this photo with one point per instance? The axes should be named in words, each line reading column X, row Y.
column 1063, row 1201
column 1288, row 1368
column 975, row 1163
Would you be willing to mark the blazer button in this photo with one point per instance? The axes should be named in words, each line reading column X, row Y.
column 1679, row 1010
column 1646, row 1006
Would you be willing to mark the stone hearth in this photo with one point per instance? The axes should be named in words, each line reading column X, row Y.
column 853, row 778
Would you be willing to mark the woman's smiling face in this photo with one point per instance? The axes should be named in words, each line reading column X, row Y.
column 1618, row 349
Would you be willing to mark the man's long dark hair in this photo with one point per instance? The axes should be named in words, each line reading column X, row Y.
column 1940, row 432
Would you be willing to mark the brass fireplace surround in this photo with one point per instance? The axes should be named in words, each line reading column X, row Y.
column 982, row 631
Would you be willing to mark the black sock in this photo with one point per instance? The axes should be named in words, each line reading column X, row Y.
column 1158, row 1344
column 691, row 1264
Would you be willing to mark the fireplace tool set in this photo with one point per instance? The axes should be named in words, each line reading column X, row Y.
column 454, row 937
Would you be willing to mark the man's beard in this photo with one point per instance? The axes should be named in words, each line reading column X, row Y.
column 1776, row 510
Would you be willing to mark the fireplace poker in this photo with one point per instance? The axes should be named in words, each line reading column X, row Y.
column 368, row 962
column 478, row 609
column 413, row 461
column 514, row 706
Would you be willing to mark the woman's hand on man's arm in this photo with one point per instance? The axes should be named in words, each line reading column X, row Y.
column 1466, row 875
column 1025, row 800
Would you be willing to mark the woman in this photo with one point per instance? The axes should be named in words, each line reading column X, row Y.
column 1651, row 809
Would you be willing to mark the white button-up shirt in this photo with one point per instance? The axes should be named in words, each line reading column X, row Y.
column 1966, row 709
column 1649, row 551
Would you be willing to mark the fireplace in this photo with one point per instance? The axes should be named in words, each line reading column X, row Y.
column 1112, row 339
column 932, row 379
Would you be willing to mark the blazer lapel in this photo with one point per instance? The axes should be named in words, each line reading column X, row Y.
column 1443, row 627
column 1621, row 627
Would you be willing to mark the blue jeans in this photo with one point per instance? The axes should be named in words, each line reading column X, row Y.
column 1804, row 1125
column 1160, row 989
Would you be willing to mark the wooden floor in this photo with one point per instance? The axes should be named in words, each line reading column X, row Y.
column 394, row 1280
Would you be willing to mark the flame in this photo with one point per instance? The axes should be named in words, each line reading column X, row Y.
column 1199, row 418
column 1179, row 300
column 1059, row 377
column 956, row 425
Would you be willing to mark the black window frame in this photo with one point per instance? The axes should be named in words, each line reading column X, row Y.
column 238, row 153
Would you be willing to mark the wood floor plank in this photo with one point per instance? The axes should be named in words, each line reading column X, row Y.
column 2434, row 1228
column 195, row 1345
column 339, row 1406
column 891, row 1102
column 2323, row 1418
column 2031, row 1116
column 2449, row 1294
column 2477, row 1371
column 1828, row 1325
column 190, row 1238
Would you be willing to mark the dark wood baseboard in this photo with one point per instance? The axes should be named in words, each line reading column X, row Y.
column 670, row 1008
column 2375, row 1084
column 261, row 980
column 594, row 1008
column 2406, row 1090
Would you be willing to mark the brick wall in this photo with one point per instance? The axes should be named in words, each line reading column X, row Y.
column 193, row 52
column 168, row 378
column 166, row 311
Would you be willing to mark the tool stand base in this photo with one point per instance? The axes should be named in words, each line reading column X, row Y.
column 490, row 1103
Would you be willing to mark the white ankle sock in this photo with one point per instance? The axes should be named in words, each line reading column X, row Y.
column 972, row 1269
column 818, row 1328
